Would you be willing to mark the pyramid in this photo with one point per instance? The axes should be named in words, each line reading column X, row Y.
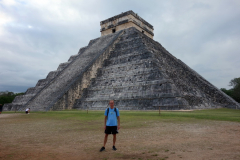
column 126, row 65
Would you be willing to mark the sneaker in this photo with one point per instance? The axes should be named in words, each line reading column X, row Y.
column 102, row 149
column 114, row 148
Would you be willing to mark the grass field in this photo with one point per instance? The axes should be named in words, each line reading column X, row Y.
column 74, row 134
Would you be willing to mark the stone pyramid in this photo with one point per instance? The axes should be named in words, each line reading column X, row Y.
column 126, row 65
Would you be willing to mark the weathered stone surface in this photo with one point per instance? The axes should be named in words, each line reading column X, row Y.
column 126, row 20
column 128, row 67
column 22, row 100
column 62, row 83
column 141, row 74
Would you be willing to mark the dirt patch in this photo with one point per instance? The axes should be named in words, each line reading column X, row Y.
column 9, row 115
column 26, row 137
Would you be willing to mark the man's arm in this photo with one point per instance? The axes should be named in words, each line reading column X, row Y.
column 118, row 122
column 105, row 121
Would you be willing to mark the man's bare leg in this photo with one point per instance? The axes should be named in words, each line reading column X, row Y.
column 105, row 140
column 114, row 139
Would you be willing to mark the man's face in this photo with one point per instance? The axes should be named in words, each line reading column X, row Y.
column 111, row 103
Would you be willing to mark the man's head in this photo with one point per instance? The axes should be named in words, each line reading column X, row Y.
column 111, row 103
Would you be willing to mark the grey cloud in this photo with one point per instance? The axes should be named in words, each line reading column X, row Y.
column 203, row 34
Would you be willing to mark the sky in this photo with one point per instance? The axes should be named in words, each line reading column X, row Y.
column 37, row 35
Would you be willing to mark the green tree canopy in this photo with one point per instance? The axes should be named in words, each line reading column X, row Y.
column 235, row 82
column 8, row 97
column 235, row 91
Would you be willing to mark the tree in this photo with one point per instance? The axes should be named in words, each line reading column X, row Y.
column 235, row 91
column 235, row 82
column 228, row 92
column 236, row 88
column 8, row 97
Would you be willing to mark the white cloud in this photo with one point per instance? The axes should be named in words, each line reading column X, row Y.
column 8, row 2
column 4, row 19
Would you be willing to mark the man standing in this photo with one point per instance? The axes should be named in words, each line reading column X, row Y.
column 111, row 124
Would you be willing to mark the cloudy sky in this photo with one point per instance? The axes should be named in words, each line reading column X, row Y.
column 37, row 35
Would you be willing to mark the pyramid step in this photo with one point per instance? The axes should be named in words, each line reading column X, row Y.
column 63, row 65
column 128, row 54
column 129, row 58
column 171, row 103
column 82, row 49
column 124, row 51
column 133, row 95
column 145, row 63
column 128, row 79
column 158, row 86
column 127, row 46
column 72, row 57
column 126, row 73
column 43, row 82
column 120, row 85
column 52, row 74
column 129, row 68
column 147, row 91
column 33, row 90
column 22, row 99
column 132, row 41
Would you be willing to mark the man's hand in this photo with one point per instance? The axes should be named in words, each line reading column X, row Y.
column 105, row 120
column 118, row 127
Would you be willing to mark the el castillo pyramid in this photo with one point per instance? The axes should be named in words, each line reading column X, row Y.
column 126, row 65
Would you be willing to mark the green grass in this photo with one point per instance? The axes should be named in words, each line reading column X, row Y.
column 127, row 116
column 77, row 128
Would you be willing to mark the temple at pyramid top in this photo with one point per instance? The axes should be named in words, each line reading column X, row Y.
column 126, row 20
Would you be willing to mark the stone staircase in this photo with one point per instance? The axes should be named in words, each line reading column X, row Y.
column 141, row 74
column 131, row 78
